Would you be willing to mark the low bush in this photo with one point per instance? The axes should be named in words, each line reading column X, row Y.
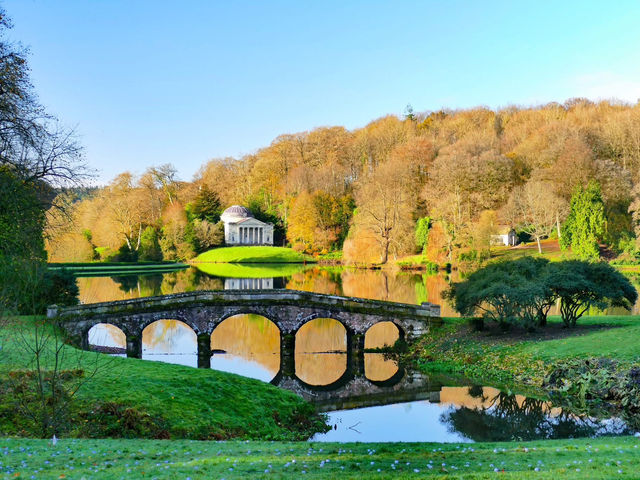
column 522, row 291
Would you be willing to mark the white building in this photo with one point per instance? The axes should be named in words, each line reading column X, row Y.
column 506, row 236
column 241, row 228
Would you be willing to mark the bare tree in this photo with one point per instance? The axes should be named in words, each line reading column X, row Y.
column 537, row 209
column 45, row 372
column 385, row 206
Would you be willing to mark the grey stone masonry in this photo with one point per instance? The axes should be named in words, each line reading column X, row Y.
column 203, row 311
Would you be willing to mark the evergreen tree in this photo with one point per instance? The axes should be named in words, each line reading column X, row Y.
column 585, row 224
column 206, row 205
column 422, row 233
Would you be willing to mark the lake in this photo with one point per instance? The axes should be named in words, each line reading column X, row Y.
column 411, row 407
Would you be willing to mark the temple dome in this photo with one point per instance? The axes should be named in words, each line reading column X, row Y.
column 235, row 213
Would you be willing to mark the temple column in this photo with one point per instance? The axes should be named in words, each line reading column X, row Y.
column 204, row 350
column 261, row 235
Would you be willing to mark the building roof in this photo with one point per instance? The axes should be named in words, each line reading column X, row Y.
column 235, row 213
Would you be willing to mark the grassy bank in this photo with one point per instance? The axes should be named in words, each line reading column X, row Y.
column 524, row 358
column 118, row 268
column 602, row 458
column 251, row 254
column 137, row 398
column 249, row 270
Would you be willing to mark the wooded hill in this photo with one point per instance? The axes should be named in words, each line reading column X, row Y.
column 471, row 172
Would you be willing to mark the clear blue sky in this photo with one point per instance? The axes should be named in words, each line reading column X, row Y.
column 150, row 82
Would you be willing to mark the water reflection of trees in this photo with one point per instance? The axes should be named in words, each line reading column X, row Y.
column 508, row 417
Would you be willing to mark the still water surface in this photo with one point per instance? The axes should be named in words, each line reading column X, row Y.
column 249, row 345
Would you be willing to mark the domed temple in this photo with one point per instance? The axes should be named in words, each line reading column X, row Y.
column 241, row 228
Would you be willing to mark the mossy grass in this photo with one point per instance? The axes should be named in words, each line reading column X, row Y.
column 253, row 254
column 512, row 358
column 118, row 268
column 138, row 398
column 111, row 264
column 251, row 270
column 601, row 458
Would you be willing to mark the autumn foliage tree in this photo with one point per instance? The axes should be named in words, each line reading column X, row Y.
column 363, row 190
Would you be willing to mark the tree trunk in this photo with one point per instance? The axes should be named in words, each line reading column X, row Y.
column 558, row 225
column 539, row 246
column 385, row 251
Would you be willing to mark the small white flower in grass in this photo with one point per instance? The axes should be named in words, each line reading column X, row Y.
column 416, row 470
column 537, row 469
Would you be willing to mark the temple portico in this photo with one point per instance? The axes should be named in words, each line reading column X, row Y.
column 241, row 228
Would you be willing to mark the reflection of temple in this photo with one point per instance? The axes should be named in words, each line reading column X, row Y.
column 248, row 283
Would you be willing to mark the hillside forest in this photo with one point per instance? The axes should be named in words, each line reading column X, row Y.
column 441, row 183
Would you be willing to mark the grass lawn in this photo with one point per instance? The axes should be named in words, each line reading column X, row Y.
column 118, row 268
column 138, row 398
column 253, row 255
column 525, row 357
column 603, row 458
column 550, row 250
column 251, row 270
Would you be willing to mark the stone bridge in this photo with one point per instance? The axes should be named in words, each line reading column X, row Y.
column 289, row 310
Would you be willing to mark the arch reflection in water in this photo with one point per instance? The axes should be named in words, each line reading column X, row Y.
column 108, row 338
column 376, row 367
column 170, row 341
column 248, row 345
column 321, row 352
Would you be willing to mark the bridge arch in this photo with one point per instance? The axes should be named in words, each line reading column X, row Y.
column 321, row 316
column 248, row 344
column 169, row 316
column 375, row 332
column 98, row 335
column 262, row 312
column 176, row 338
column 343, row 380
column 322, row 352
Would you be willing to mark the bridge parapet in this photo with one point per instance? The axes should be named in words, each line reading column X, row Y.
column 262, row 297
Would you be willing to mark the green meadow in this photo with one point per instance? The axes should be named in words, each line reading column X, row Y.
column 253, row 254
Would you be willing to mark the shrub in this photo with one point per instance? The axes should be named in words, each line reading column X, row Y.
column 523, row 290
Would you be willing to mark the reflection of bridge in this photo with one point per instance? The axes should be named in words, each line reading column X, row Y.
column 289, row 310
column 354, row 390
